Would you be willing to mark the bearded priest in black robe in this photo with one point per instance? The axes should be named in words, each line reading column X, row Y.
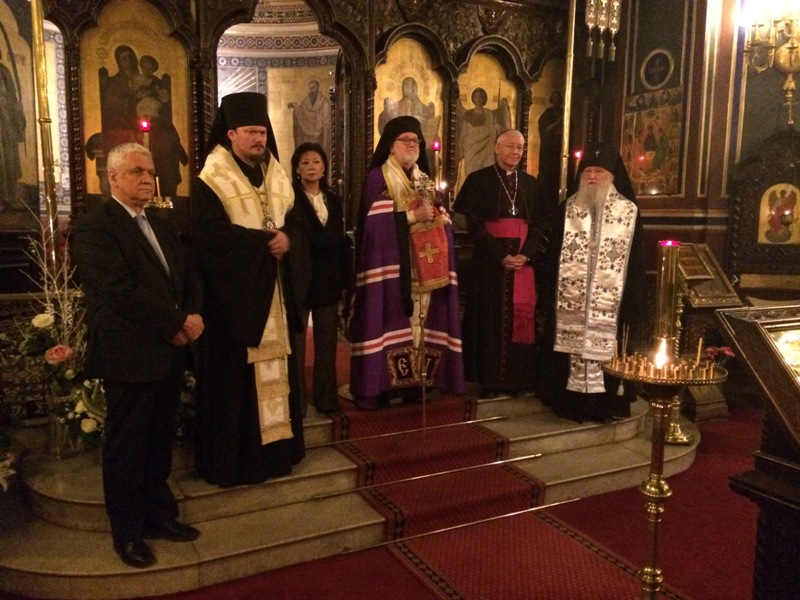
column 598, row 292
column 506, row 218
column 249, row 423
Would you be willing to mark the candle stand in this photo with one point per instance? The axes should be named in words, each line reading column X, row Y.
column 674, row 434
column 158, row 202
column 661, row 386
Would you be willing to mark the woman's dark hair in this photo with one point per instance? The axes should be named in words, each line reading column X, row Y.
column 310, row 147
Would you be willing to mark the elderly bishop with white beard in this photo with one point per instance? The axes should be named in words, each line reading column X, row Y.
column 596, row 272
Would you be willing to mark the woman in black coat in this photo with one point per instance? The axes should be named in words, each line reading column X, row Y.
column 322, row 215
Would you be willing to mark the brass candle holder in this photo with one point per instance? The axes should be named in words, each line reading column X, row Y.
column 663, row 379
column 158, row 201
column 662, row 382
column 667, row 324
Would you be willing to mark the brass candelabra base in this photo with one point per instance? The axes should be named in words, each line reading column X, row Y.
column 675, row 435
column 662, row 393
column 159, row 202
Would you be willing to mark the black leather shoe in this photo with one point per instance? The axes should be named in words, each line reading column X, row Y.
column 135, row 553
column 172, row 531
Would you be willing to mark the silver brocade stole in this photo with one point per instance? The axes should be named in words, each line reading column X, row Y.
column 591, row 280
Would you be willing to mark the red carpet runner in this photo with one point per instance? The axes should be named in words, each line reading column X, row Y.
column 413, row 506
column 530, row 556
column 494, row 559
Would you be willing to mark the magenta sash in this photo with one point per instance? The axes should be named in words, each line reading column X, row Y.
column 524, row 284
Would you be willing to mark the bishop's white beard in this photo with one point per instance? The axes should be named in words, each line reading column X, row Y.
column 592, row 198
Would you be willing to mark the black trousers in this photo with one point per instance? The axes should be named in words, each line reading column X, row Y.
column 326, row 333
column 137, row 453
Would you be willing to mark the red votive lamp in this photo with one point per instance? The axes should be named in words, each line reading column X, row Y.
column 144, row 125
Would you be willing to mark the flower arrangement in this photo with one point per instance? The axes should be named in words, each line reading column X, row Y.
column 55, row 338
column 45, row 346
column 83, row 413
column 52, row 344
column 720, row 354
column 50, row 347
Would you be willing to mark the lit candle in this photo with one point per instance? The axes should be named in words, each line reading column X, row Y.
column 436, row 144
column 661, row 357
column 699, row 349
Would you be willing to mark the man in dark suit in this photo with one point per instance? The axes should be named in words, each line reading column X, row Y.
column 143, row 305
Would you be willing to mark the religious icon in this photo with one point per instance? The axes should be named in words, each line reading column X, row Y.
column 134, row 72
column 311, row 117
column 136, row 94
column 410, row 104
column 478, row 128
column 19, row 190
column 781, row 202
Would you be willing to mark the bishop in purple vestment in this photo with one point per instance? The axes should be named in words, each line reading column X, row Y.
column 387, row 334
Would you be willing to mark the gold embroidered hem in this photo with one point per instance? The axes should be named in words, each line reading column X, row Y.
column 271, row 373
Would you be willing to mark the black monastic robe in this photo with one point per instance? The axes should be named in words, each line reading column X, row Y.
column 490, row 356
column 239, row 275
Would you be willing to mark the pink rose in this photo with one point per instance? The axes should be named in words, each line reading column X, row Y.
column 57, row 354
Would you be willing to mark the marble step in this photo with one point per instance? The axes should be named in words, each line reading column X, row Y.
column 43, row 560
column 69, row 493
column 285, row 521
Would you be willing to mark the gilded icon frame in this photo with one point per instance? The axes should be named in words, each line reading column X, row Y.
column 138, row 26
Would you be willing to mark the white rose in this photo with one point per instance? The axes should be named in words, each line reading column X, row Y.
column 88, row 425
column 43, row 320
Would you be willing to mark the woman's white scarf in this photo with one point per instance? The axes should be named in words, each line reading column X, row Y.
column 588, row 301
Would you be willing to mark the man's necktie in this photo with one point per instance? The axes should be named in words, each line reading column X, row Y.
column 144, row 225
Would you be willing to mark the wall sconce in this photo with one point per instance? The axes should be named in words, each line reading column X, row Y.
column 602, row 15
column 772, row 39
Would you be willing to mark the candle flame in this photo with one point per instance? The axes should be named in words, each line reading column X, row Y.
column 661, row 355
column 144, row 124
column 436, row 145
